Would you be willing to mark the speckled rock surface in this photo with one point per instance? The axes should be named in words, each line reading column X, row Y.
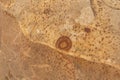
column 24, row 56
column 91, row 25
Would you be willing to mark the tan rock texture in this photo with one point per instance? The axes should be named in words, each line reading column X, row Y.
column 59, row 40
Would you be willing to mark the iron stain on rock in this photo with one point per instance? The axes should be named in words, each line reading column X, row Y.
column 64, row 43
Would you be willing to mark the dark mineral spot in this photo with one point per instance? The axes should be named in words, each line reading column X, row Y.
column 64, row 43
column 47, row 11
column 6, row 78
column 87, row 30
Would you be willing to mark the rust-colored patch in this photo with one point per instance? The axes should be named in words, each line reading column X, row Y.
column 47, row 11
column 64, row 43
column 87, row 30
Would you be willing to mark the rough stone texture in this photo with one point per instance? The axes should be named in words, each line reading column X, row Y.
column 23, row 59
column 46, row 21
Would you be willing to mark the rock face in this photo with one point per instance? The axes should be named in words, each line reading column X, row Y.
column 59, row 40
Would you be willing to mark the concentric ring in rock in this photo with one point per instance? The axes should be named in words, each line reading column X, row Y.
column 64, row 43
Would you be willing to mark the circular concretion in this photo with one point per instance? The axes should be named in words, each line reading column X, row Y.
column 64, row 43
